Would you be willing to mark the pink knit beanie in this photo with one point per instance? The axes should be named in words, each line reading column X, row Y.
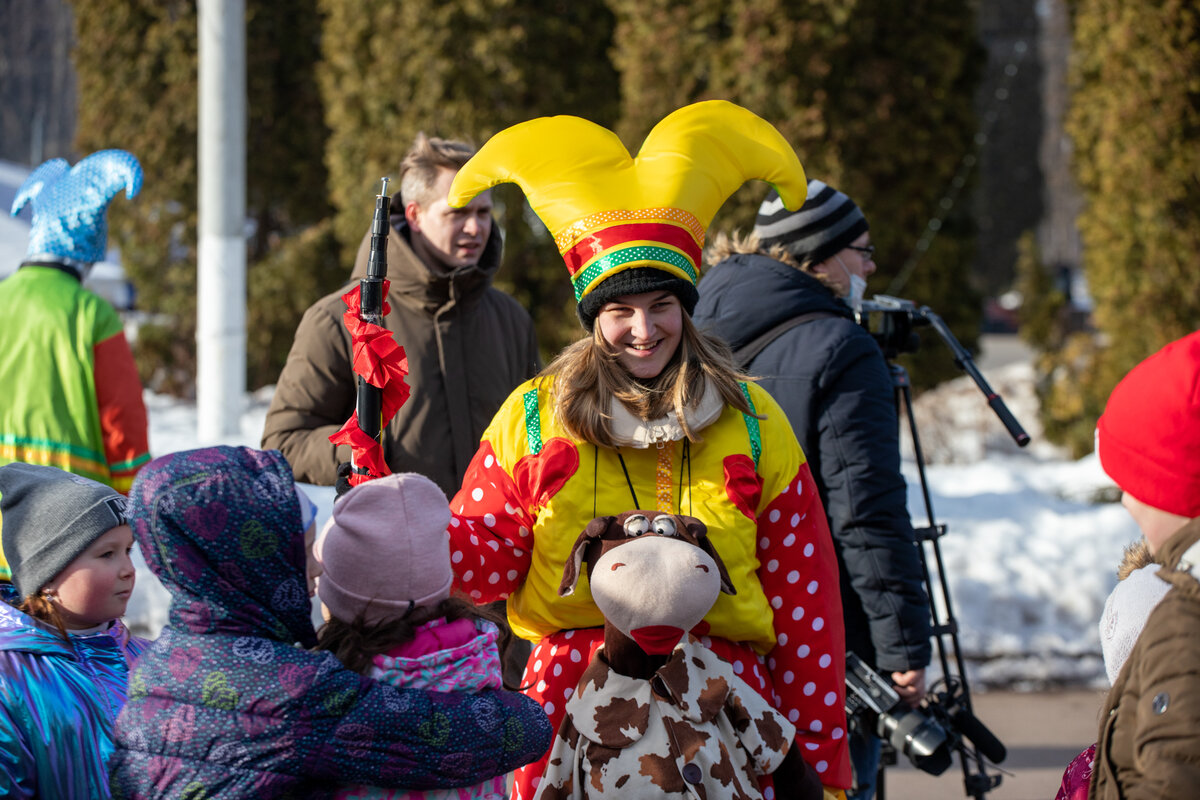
column 1148, row 438
column 386, row 550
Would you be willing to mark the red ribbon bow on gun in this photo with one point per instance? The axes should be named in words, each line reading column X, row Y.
column 378, row 361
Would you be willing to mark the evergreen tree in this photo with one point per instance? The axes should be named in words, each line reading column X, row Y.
column 137, row 71
column 462, row 69
column 1135, row 122
column 876, row 97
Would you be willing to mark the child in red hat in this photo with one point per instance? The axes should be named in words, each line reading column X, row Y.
column 1148, row 441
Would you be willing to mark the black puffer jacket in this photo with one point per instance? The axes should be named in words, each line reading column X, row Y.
column 833, row 383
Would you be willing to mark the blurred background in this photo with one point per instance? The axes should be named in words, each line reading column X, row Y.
column 1026, row 165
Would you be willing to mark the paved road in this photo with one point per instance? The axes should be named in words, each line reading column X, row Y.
column 1043, row 731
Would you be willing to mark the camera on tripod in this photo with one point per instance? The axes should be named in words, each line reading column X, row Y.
column 944, row 724
column 894, row 323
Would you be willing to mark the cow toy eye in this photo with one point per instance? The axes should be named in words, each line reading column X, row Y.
column 637, row 525
column 664, row 526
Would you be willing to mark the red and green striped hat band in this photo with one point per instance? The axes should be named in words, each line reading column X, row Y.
column 660, row 244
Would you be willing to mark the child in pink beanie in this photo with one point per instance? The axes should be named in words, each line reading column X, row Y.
column 1148, row 441
column 385, row 585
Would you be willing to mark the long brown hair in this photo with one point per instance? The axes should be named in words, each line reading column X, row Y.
column 587, row 373
column 40, row 608
column 355, row 643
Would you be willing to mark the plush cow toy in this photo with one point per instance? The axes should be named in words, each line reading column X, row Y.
column 656, row 714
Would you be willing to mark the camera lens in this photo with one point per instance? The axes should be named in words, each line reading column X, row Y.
column 919, row 737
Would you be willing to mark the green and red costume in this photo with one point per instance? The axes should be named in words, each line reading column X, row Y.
column 72, row 398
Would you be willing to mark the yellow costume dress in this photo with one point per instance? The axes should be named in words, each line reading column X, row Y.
column 531, row 489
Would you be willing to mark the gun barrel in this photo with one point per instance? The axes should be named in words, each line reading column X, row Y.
column 368, row 400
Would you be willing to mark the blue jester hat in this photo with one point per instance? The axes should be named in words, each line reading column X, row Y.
column 69, row 205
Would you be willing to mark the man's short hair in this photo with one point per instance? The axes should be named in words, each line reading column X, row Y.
column 421, row 164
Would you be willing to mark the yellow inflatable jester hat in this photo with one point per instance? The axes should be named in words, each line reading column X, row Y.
column 630, row 225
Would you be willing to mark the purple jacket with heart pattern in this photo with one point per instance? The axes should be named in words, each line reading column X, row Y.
column 225, row 705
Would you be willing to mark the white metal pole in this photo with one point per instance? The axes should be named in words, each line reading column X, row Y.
column 221, row 278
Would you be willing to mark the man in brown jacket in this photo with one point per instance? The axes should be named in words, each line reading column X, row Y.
column 1148, row 441
column 468, row 344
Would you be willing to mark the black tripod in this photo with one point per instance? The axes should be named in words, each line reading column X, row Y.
column 950, row 699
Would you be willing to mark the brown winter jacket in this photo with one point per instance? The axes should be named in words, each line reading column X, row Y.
column 1149, row 744
column 468, row 346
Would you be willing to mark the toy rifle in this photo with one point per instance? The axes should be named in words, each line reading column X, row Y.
column 379, row 363
column 369, row 403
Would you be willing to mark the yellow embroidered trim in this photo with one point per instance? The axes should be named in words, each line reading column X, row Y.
column 569, row 235
column 662, row 479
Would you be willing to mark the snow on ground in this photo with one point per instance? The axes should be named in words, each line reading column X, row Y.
column 1028, row 556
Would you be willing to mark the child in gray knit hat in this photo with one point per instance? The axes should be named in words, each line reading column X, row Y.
column 65, row 655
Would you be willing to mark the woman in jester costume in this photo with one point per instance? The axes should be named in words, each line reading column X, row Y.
column 647, row 412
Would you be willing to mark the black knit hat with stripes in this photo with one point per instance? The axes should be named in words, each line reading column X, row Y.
column 826, row 223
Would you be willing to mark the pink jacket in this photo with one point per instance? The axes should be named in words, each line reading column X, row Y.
column 446, row 657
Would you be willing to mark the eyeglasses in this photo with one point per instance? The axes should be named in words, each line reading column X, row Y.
column 868, row 251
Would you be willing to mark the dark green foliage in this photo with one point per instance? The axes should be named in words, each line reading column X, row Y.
column 1043, row 303
column 876, row 97
column 281, row 286
column 1045, row 324
column 462, row 69
column 285, row 169
column 1135, row 123
column 137, row 66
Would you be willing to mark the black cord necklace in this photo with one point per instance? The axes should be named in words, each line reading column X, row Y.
column 687, row 460
column 627, row 479
column 686, row 463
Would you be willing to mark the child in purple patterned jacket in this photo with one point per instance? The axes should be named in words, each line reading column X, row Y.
column 385, row 586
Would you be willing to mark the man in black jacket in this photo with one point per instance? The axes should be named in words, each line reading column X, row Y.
column 782, row 300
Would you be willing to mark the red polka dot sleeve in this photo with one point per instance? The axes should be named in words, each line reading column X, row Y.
column 798, row 572
column 490, row 537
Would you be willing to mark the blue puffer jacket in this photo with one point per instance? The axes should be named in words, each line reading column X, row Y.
column 224, row 705
column 59, row 700
column 833, row 383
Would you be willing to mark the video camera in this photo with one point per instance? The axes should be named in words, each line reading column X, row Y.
column 893, row 329
column 926, row 736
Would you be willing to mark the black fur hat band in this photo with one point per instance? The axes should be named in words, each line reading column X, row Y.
column 635, row 281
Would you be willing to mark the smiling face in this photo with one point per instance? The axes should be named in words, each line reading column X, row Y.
column 452, row 237
column 644, row 329
column 95, row 587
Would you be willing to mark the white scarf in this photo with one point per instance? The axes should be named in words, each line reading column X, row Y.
column 632, row 431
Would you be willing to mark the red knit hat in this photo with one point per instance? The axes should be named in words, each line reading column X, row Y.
column 1148, row 438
